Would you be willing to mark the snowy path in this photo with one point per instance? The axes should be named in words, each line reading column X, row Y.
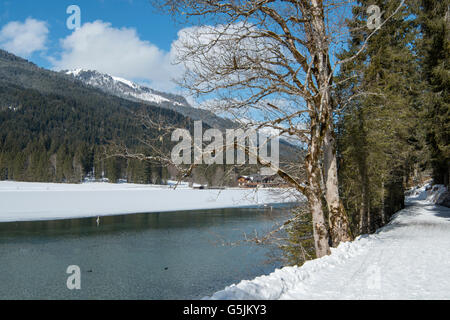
column 407, row 259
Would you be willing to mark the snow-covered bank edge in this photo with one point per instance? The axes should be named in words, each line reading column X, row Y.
column 21, row 201
column 282, row 282
column 275, row 285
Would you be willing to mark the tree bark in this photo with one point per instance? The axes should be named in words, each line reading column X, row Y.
column 314, row 191
column 338, row 220
column 320, row 231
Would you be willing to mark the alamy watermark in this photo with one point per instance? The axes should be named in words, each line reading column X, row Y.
column 235, row 149
column 74, row 20
column 74, row 280
column 374, row 20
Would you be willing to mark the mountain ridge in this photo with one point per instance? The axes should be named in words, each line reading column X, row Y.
column 133, row 91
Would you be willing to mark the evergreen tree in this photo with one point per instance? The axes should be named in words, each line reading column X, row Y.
column 378, row 98
column 434, row 48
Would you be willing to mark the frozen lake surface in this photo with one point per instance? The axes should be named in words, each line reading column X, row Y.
column 28, row 201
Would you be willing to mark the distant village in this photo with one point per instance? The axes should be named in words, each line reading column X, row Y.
column 257, row 180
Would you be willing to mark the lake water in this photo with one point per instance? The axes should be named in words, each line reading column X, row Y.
column 171, row 255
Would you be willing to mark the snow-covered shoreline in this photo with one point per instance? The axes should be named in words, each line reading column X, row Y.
column 29, row 201
column 406, row 259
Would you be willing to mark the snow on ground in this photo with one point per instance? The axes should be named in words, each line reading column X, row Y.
column 407, row 259
column 25, row 201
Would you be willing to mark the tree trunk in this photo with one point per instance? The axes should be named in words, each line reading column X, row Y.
column 338, row 220
column 361, row 159
column 362, row 217
column 383, row 214
column 320, row 232
column 314, row 191
column 364, row 221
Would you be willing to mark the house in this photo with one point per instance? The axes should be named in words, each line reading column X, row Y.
column 248, row 181
column 243, row 181
column 257, row 180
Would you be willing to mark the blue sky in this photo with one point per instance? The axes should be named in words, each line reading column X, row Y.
column 124, row 38
column 154, row 31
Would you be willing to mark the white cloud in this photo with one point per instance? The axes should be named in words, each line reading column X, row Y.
column 24, row 38
column 119, row 52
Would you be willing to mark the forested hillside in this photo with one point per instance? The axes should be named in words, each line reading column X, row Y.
column 55, row 128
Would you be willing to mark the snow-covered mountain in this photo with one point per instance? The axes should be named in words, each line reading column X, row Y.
column 125, row 88
column 132, row 91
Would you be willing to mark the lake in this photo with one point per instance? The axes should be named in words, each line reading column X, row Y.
column 170, row 255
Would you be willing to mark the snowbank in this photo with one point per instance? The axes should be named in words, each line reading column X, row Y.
column 281, row 282
column 22, row 201
column 437, row 194
column 407, row 259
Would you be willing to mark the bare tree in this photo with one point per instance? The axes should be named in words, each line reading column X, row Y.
column 271, row 58
column 268, row 64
